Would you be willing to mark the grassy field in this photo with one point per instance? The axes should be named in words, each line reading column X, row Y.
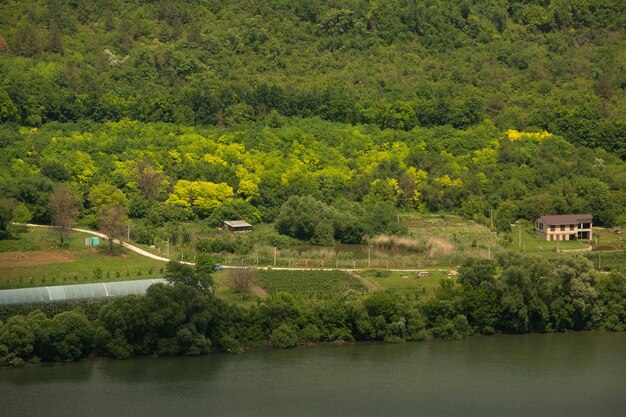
column 223, row 290
column 605, row 239
column 450, row 238
column 36, row 260
column 404, row 281
column 530, row 242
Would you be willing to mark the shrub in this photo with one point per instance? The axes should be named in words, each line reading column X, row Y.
column 98, row 273
column 284, row 336
column 142, row 234
column 215, row 245
column 230, row 344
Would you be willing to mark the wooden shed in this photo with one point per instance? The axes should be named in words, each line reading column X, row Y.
column 237, row 226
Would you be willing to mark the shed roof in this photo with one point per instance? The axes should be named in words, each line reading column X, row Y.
column 237, row 223
column 566, row 218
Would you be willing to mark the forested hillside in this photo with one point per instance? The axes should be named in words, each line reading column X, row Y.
column 531, row 65
column 343, row 121
column 353, row 176
column 417, row 105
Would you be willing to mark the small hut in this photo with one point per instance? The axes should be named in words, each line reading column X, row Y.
column 92, row 241
column 237, row 226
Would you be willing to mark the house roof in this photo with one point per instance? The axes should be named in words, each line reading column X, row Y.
column 566, row 218
column 237, row 223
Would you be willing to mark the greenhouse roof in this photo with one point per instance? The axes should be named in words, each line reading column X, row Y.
column 76, row 292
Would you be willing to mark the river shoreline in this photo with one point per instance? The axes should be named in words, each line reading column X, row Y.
column 257, row 349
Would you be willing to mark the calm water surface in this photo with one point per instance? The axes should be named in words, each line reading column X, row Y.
column 582, row 374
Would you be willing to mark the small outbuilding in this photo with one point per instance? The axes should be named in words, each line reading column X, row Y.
column 92, row 241
column 237, row 226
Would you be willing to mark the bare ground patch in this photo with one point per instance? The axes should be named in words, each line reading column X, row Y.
column 259, row 291
column 16, row 259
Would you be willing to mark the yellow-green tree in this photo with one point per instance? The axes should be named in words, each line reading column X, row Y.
column 201, row 196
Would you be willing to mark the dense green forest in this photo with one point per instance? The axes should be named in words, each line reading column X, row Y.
column 528, row 65
column 513, row 294
column 305, row 173
column 409, row 104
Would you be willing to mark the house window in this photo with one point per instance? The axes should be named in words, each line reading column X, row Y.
column 552, row 228
column 571, row 227
column 562, row 228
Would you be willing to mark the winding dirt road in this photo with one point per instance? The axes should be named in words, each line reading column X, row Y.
column 160, row 258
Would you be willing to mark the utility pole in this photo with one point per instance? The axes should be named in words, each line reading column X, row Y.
column 128, row 233
column 274, row 255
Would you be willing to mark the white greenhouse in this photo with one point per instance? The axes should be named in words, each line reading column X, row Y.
column 76, row 292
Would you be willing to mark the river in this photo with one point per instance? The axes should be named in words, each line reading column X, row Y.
column 576, row 374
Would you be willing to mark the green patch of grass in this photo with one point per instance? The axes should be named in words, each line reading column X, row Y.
column 224, row 291
column 523, row 238
column 395, row 280
column 605, row 239
column 47, row 264
column 18, row 244
column 309, row 283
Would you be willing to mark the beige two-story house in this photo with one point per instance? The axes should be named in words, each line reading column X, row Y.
column 565, row 227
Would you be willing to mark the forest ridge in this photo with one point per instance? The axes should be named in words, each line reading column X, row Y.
column 536, row 65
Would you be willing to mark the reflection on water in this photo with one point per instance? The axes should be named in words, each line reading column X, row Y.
column 562, row 374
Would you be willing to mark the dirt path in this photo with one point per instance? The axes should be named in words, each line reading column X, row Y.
column 160, row 258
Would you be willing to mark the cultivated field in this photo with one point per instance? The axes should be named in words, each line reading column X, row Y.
column 309, row 283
